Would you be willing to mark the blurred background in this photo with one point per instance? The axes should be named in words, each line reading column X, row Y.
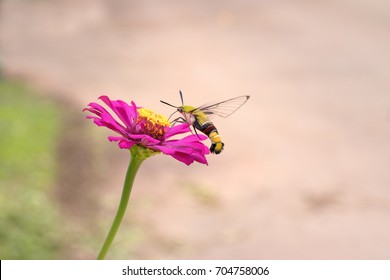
column 305, row 171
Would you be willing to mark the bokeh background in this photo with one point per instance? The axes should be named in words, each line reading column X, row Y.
column 305, row 173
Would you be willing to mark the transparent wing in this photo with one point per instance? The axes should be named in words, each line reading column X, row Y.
column 224, row 108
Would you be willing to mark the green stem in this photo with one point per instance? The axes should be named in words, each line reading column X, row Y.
column 134, row 165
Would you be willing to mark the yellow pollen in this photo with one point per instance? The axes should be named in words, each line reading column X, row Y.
column 152, row 123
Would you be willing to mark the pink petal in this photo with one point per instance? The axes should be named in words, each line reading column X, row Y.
column 170, row 150
column 194, row 138
column 105, row 119
column 183, row 158
column 127, row 114
column 186, row 152
column 178, row 129
column 145, row 139
column 123, row 143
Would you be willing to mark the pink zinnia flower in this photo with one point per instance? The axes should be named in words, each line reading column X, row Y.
column 140, row 126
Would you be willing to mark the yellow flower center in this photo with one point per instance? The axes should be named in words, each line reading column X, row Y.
column 152, row 124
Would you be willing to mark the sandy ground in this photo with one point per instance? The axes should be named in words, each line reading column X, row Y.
column 305, row 173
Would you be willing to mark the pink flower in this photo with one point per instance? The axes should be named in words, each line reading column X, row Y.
column 140, row 126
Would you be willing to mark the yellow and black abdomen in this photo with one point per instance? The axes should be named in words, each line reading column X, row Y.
column 211, row 131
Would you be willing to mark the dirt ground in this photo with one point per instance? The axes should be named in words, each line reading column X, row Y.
column 305, row 173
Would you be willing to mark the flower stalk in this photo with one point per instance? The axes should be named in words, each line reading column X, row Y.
column 138, row 155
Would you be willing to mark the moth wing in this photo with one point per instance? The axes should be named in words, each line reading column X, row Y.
column 224, row 108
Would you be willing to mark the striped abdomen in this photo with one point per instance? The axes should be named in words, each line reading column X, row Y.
column 211, row 131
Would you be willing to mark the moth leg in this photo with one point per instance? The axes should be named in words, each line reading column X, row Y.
column 195, row 125
column 178, row 120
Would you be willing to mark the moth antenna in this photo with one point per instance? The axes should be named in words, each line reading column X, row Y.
column 181, row 97
column 166, row 103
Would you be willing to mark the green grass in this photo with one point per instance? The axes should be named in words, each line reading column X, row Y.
column 28, row 215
